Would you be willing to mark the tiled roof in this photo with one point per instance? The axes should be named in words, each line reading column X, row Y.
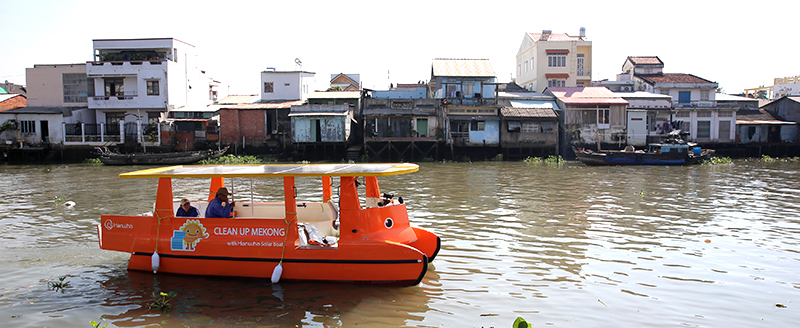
column 279, row 104
column 672, row 78
column 556, row 37
column 462, row 67
column 645, row 60
column 36, row 110
column 587, row 96
column 528, row 112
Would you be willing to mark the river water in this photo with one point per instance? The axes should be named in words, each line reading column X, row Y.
column 559, row 245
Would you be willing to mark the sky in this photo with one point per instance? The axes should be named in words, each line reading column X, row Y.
column 736, row 44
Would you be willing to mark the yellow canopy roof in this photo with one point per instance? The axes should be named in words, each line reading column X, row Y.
column 274, row 170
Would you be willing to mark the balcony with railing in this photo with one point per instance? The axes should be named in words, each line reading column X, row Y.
column 694, row 103
column 103, row 134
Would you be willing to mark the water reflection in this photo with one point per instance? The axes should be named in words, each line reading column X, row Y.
column 567, row 245
column 225, row 302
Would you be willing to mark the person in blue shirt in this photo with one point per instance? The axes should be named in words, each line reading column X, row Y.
column 186, row 209
column 219, row 207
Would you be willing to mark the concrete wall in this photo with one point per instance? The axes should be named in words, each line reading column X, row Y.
column 534, row 78
column 334, row 129
column 292, row 85
column 54, row 127
column 45, row 84
column 520, row 139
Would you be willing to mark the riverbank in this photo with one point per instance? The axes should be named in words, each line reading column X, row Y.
column 60, row 154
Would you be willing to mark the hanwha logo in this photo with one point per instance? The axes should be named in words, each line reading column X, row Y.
column 109, row 225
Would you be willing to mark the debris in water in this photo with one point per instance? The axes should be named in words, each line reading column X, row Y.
column 780, row 305
column 601, row 302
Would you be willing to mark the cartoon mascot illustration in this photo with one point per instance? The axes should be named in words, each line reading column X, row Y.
column 194, row 231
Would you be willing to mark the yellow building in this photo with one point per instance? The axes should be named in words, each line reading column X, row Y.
column 554, row 60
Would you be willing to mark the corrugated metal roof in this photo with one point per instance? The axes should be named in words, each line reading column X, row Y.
column 334, row 95
column 534, row 104
column 238, row 99
column 587, row 96
column 462, row 67
column 528, row 112
column 36, row 110
column 281, row 104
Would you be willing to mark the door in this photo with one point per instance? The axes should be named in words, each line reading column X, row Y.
column 45, row 131
column 422, row 127
column 316, row 130
column 724, row 131
column 637, row 128
column 684, row 97
column 581, row 65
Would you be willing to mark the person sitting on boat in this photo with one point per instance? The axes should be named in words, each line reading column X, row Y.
column 186, row 209
column 219, row 207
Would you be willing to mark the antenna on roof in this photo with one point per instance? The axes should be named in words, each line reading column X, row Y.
column 298, row 63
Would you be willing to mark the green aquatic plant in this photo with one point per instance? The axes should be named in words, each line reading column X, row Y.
column 498, row 158
column 96, row 324
column 161, row 300
column 717, row 160
column 59, row 200
column 521, row 323
column 364, row 158
column 766, row 158
column 552, row 159
column 232, row 159
column 92, row 161
column 428, row 159
column 58, row 285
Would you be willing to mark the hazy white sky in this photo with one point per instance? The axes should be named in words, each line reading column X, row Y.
column 737, row 44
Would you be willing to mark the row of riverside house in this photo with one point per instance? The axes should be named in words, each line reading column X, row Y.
column 151, row 93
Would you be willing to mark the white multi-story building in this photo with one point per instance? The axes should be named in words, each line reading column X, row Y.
column 554, row 60
column 141, row 80
column 694, row 107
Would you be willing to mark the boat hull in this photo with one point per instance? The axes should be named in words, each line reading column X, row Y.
column 161, row 158
column 633, row 158
column 254, row 247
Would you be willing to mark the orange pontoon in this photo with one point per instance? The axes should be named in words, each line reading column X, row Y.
column 310, row 240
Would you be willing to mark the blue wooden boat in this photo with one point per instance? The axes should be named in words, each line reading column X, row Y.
column 656, row 154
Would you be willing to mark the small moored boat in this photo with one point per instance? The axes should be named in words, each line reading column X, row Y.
column 173, row 158
column 656, row 154
column 307, row 240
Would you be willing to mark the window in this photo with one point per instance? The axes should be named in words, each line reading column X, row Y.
column 114, row 87
column 665, row 92
column 548, row 127
column 287, row 84
column 27, row 126
column 556, row 83
column 704, row 129
column 530, row 127
column 153, row 117
column 451, row 90
column 603, row 120
column 152, row 88
column 557, row 60
column 267, row 87
column 531, row 63
column 514, row 127
column 580, row 84
column 519, row 70
column 703, row 113
column 703, row 94
column 478, row 126
column 75, row 87
column 175, row 54
column 468, row 89
column 726, row 113
column 526, row 66
column 683, row 114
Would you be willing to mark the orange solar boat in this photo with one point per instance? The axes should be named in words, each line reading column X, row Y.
column 318, row 241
